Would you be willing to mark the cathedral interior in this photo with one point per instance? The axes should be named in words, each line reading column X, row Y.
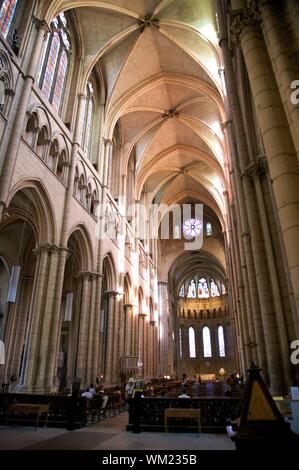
column 149, row 192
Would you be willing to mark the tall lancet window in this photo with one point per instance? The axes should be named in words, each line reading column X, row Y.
column 182, row 291
column 206, row 336
column 7, row 15
column 214, row 289
column 192, row 349
column 192, row 290
column 87, row 123
column 203, row 289
column 221, row 343
column 54, row 66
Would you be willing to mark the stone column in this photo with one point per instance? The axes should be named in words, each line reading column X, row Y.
column 122, row 328
column 67, row 218
column 135, row 332
column 293, row 17
column 110, row 339
column 141, row 338
column 15, row 137
column 84, row 318
column 280, row 151
column 31, row 359
column 236, row 308
column 285, row 68
column 258, row 171
column 260, row 268
column 117, row 337
column 163, row 328
column 248, row 304
column 55, row 320
column 151, row 349
column 232, row 310
column 128, row 329
column 107, row 170
column 91, row 375
column 47, row 319
column 96, row 337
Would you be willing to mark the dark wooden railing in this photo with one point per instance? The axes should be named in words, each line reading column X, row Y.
column 64, row 412
column 147, row 414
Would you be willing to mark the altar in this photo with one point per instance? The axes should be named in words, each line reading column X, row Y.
column 208, row 377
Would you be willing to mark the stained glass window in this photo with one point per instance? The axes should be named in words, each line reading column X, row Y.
column 214, row 289
column 60, row 80
column 180, row 342
column 51, row 66
column 54, row 65
column 206, row 336
column 87, row 123
column 221, row 343
column 182, row 291
column 192, row 290
column 203, row 289
column 7, row 13
column 223, row 289
column 192, row 349
column 209, row 230
column 192, row 228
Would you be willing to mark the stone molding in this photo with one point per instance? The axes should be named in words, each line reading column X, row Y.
column 248, row 18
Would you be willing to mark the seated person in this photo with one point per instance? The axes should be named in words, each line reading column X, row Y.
column 104, row 400
column 184, row 394
column 92, row 389
column 87, row 393
column 117, row 395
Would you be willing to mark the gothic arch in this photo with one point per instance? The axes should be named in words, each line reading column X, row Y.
column 84, row 246
column 42, row 218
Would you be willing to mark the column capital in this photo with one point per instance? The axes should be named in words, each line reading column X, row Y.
column 46, row 247
column 248, row 18
column 89, row 275
column 107, row 141
column 225, row 124
column 111, row 293
column 10, row 92
column 41, row 24
column 128, row 306
column 257, row 169
column 153, row 322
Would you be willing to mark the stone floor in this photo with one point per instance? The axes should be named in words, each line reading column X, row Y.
column 107, row 435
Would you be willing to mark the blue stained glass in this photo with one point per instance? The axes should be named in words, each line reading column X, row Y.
column 7, row 12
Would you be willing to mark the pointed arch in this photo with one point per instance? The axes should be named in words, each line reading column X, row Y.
column 109, row 272
column 83, row 247
column 206, row 337
column 192, row 346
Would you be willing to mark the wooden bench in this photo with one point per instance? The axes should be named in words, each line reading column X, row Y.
column 27, row 408
column 181, row 413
